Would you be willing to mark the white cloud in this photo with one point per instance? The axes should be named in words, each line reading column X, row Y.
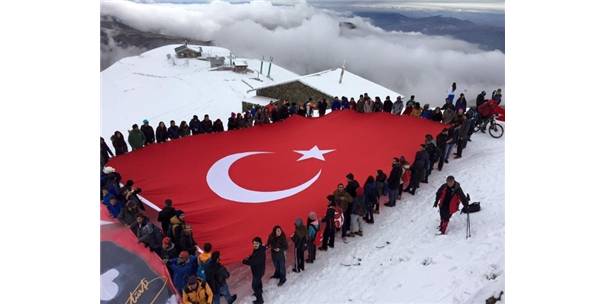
column 306, row 40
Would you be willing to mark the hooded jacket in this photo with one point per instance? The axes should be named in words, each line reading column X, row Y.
column 202, row 294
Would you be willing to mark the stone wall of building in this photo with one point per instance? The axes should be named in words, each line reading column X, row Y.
column 293, row 91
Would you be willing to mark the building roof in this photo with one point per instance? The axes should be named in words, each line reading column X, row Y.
column 352, row 85
column 183, row 48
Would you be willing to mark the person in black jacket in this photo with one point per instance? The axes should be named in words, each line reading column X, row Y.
column 218, row 126
column 169, row 250
column 232, row 124
column 441, row 145
column 453, row 138
column 448, row 197
column 328, row 236
column 322, row 107
column 480, row 99
column 161, row 132
column 276, row 242
column 119, row 143
column 351, row 188
column 216, row 277
column 148, row 132
column 463, row 135
column 381, row 180
column 256, row 261
column 105, row 153
column 206, row 125
column 186, row 241
column 299, row 238
column 434, row 155
column 173, row 130
column 194, row 125
column 393, row 182
column 166, row 214
column 387, row 105
column 437, row 115
column 418, row 167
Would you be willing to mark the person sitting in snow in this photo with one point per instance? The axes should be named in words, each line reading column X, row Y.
column 448, row 197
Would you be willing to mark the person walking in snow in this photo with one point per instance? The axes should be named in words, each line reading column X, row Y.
column 217, row 276
column 148, row 131
column 448, row 197
column 277, row 244
column 119, row 143
column 256, row 261
column 136, row 139
column 328, row 236
column 313, row 225
column 299, row 238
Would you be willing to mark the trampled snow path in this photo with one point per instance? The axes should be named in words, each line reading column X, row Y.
column 417, row 266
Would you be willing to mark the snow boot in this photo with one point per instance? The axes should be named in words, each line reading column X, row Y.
column 281, row 282
column 232, row 299
column 359, row 233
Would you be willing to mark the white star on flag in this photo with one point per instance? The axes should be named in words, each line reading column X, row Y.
column 314, row 152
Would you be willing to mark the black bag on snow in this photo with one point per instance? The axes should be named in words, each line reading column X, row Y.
column 471, row 208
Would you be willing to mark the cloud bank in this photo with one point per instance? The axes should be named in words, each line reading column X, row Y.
column 306, row 40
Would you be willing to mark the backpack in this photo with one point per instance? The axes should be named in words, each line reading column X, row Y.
column 471, row 208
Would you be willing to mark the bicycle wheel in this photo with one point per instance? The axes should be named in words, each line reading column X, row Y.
column 496, row 130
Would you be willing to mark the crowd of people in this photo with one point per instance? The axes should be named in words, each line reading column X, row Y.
column 199, row 275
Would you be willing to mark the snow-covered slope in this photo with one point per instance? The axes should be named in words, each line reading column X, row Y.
column 417, row 266
column 150, row 87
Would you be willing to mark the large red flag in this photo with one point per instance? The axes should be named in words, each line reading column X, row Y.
column 236, row 185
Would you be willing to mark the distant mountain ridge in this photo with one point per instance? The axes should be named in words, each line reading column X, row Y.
column 487, row 37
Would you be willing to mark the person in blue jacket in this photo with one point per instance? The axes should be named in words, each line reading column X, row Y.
column 427, row 112
column 336, row 104
column 461, row 103
column 115, row 206
column 181, row 268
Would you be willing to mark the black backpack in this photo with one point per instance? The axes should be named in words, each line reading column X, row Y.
column 471, row 208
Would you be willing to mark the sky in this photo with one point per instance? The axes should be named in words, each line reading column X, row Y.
column 305, row 39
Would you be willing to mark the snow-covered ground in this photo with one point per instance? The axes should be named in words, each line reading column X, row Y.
column 150, row 87
column 417, row 266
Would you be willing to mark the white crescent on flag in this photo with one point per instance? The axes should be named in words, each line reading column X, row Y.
column 220, row 182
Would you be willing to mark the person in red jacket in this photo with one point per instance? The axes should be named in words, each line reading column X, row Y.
column 448, row 197
column 486, row 110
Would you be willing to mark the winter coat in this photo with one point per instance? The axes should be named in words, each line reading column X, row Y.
column 427, row 114
column 218, row 126
column 329, row 217
column 368, row 106
column 360, row 106
column 322, row 106
column 169, row 252
column 184, row 131
column 448, row 116
column 393, row 181
column 105, row 151
column 186, row 242
column 312, row 229
column 206, row 126
column 432, row 150
column 335, row 105
column 256, row 261
column 479, row 100
column 148, row 131
column 216, row 275
column 352, row 188
column 194, row 126
column 398, row 106
column 182, row 271
column 176, row 227
column 299, row 238
column 441, row 141
column 119, row 144
column 164, row 217
column 203, row 262
column 416, row 112
column 436, row 116
column 358, row 207
column 456, row 195
column 173, row 132
column 277, row 242
column 421, row 160
column 377, row 106
column 387, row 106
column 202, row 294
column 343, row 199
column 114, row 210
column 161, row 134
column 370, row 193
column 231, row 123
column 136, row 139
column 488, row 108
column 150, row 235
column 464, row 132
column 128, row 215
column 461, row 104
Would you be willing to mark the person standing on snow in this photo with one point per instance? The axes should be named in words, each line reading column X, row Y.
column 393, row 182
column 448, row 197
column 161, row 132
column 299, row 238
column 328, row 236
column 351, row 189
column 136, row 139
column 217, row 276
column 277, row 244
column 313, row 225
column 148, row 131
column 256, row 261
column 398, row 106
column 419, row 167
column 371, row 196
column 119, row 143
column 105, row 153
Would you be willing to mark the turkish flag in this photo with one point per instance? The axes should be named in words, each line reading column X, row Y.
column 236, row 185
